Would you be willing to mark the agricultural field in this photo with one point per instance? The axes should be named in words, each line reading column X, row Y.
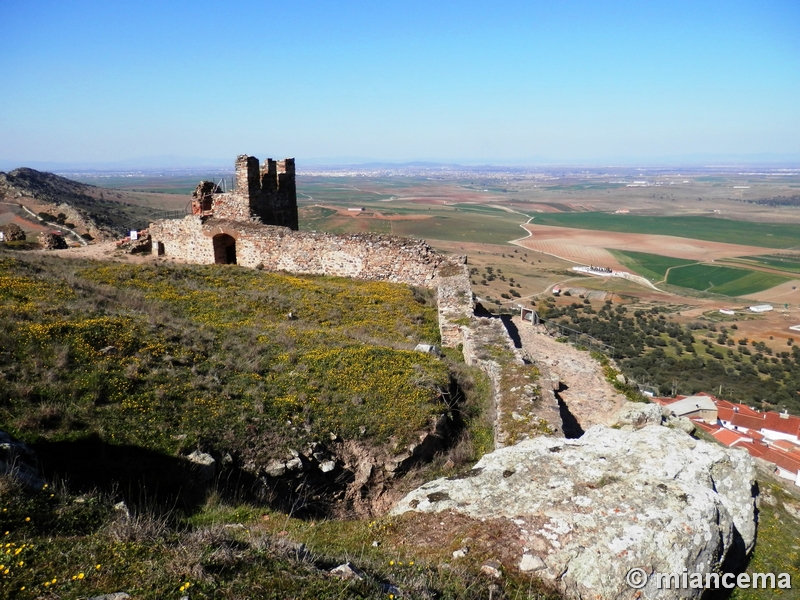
column 784, row 262
column 652, row 266
column 723, row 280
column 765, row 235
column 438, row 222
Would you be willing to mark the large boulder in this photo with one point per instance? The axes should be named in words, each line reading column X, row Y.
column 591, row 509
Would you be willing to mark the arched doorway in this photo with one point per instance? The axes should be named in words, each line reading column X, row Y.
column 224, row 249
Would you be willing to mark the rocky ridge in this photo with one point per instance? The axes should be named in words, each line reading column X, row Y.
column 590, row 509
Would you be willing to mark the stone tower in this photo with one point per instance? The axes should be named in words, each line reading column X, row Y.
column 267, row 192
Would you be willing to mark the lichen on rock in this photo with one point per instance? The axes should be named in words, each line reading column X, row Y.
column 592, row 508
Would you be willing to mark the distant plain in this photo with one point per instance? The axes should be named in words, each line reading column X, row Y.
column 706, row 239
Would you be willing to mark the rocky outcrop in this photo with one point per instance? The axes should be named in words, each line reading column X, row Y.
column 590, row 509
column 51, row 241
column 19, row 461
column 13, row 233
column 78, row 202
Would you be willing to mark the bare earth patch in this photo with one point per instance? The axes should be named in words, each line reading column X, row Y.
column 588, row 247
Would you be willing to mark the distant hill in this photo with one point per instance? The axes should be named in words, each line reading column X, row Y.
column 100, row 212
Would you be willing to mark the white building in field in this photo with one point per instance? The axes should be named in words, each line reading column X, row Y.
column 761, row 308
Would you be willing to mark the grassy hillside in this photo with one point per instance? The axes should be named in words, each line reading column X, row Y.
column 167, row 358
column 111, row 210
column 112, row 372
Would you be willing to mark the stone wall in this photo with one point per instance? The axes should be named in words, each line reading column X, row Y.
column 519, row 409
column 454, row 299
column 360, row 256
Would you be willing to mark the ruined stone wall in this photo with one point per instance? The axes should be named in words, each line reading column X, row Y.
column 520, row 411
column 360, row 256
column 231, row 205
column 454, row 299
column 267, row 193
column 182, row 238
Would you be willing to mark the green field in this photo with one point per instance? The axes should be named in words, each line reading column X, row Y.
column 723, row 280
column 765, row 235
column 480, row 208
column 463, row 226
column 652, row 266
column 790, row 263
column 467, row 223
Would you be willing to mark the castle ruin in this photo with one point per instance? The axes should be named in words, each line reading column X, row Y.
column 267, row 192
column 256, row 225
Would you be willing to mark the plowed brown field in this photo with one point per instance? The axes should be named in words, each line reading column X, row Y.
column 589, row 247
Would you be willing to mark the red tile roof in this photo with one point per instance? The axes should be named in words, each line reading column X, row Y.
column 709, row 427
column 783, row 460
column 747, row 422
column 789, row 425
column 754, row 449
column 785, row 445
column 667, row 401
column 728, row 437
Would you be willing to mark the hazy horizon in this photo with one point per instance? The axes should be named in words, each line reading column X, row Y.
column 189, row 163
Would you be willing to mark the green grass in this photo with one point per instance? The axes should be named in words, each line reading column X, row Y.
column 480, row 208
column 112, row 371
column 723, row 280
column 765, row 235
column 652, row 266
column 776, row 549
column 166, row 358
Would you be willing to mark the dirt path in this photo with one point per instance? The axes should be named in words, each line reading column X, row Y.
column 584, row 391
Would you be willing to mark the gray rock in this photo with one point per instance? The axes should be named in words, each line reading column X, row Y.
column 639, row 414
column 428, row 349
column 19, row 461
column 681, row 423
column 531, row 562
column 275, row 468
column 492, row 569
column 205, row 467
column 295, row 464
column 122, row 510
column 114, row 596
column 347, row 571
column 592, row 508
column 327, row 466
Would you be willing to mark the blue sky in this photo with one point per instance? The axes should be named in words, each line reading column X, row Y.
column 503, row 81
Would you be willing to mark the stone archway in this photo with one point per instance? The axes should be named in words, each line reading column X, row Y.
column 224, row 249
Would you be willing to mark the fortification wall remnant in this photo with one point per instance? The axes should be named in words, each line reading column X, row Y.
column 267, row 193
column 255, row 225
column 360, row 256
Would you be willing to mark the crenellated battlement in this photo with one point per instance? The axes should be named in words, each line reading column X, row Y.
column 267, row 192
